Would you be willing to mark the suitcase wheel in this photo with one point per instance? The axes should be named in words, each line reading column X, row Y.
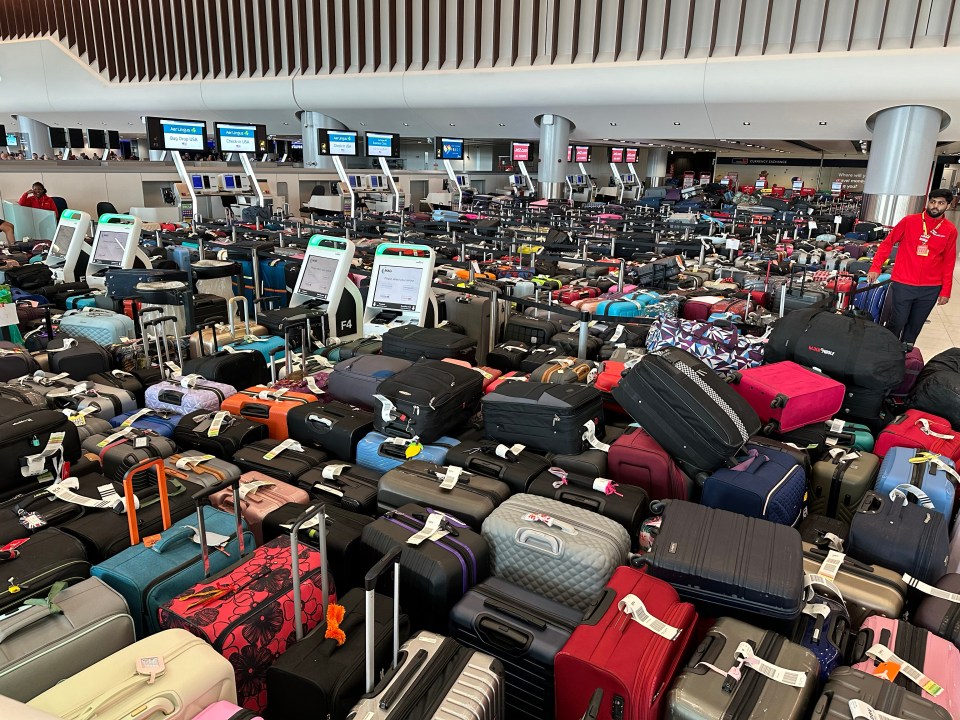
column 779, row 401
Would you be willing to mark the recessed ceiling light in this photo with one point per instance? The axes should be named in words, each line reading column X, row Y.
column 406, row 124
column 613, row 124
column 453, row 124
column 746, row 122
column 502, row 124
column 823, row 122
column 286, row 123
column 676, row 123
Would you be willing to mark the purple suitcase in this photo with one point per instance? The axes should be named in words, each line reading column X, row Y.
column 914, row 364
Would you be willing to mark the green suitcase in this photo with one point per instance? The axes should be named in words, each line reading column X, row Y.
column 853, row 436
column 839, row 482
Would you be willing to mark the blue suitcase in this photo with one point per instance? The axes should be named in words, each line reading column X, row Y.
column 905, row 466
column 263, row 344
column 871, row 301
column 378, row 452
column 631, row 305
column 824, row 629
column 161, row 422
column 103, row 327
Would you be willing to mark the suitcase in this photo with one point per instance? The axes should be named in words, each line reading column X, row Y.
column 918, row 429
column 532, row 543
column 903, row 536
column 202, row 470
column 697, row 418
column 161, row 422
column 77, row 358
column 850, row 694
column 256, row 609
column 123, row 449
column 787, row 396
column 193, row 677
column 285, row 461
column 196, row 431
column 814, row 529
column 514, row 466
column 569, row 343
column 381, row 453
column 839, row 482
column 630, row 645
column 469, row 498
column 35, row 564
column 102, row 401
column 188, row 394
column 427, row 400
column 759, row 573
column 824, row 629
column 850, row 436
column 939, row 610
column 349, row 486
column 15, row 361
column 933, row 474
column 103, row 327
column 635, row 458
column 745, row 694
column 230, row 366
column 13, row 391
column 699, row 309
column 355, row 381
column 540, row 355
column 415, row 343
column 259, row 496
column 592, row 462
column 437, row 571
column 508, row 356
column 41, row 646
column 334, row 427
column 564, row 370
column 937, row 659
column 913, row 366
column 530, row 330
column 474, row 314
column 226, row 710
column 522, row 630
column 546, row 417
column 265, row 405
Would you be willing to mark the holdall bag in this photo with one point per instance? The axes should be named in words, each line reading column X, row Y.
column 35, row 564
column 922, row 430
column 112, row 689
column 77, row 358
column 933, row 474
column 218, row 433
column 427, row 400
column 285, row 461
column 850, row 694
column 839, row 482
column 635, row 458
column 903, row 536
column 731, row 563
column 937, row 390
column 724, row 350
column 565, row 553
column 415, row 343
column 259, row 496
column 939, row 610
column 355, row 381
column 263, row 404
column 936, row 659
column 513, row 465
column 824, row 629
column 335, row 427
column 380, row 453
column 787, row 396
column 697, row 418
column 711, row 693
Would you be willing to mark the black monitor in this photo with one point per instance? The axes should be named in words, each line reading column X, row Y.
column 113, row 139
column 97, row 138
column 336, row 142
column 171, row 134
column 76, row 137
column 449, row 148
column 239, row 137
column 383, row 145
column 3, row 133
column 58, row 137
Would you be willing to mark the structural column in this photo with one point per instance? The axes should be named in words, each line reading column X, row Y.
column 38, row 137
column 310, row 122
column 901, row 158
column 656, row 166
column 554, row 139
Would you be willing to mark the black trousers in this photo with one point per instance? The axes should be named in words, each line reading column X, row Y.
column 910, row 308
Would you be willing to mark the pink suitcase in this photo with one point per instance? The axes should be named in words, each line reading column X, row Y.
column 225, row 710
column 259, row 500
column 788, row 396
column 940, row 659
column 699, row 308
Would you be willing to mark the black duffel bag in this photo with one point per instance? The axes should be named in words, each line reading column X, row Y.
column 937, row 390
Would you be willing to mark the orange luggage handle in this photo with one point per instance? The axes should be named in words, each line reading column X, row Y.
column 129, row 496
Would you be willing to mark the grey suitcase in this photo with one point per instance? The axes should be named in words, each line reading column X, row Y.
column 126, row 447
column 565, row 553
column 839, row 482
column 470, row 498
column 104, row 401
column 39, row 647
column 847, row 685
column 700, row 693
column 88, row 425
column 355, row 380
column 474, row 314
column 200, row 469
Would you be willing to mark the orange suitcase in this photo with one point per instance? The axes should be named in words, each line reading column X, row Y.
column 268, row 406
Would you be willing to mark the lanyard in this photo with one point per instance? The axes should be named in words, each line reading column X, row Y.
column 925, row 236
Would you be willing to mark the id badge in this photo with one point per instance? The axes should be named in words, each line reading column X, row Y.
column 923, row 250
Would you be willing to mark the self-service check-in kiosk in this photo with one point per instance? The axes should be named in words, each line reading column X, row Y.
column 400, row 288
column 69, row 243
column 324, row 282
column 116, row 244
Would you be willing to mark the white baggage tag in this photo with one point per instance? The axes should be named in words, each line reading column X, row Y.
column 924, row 426
column 63, row 490
column 287, row 444
column 617, row 333
column 503, row 451
column 191, row 461
column 813, row 579
column 174, row 368
column 252, row 487
column 732, row 244
column 633, row 607
column 885, row 654
column 212, row 539
column 450, row 477
column 331, row 472
column 816, row 610
column 189, row 381
column 831, row 565
column 794, row 678
column 136, row 416
column 271, row 394
column 327, row 489
column 590, row 435
column 325, row 421
column 387, row 408
column 119, row 435
column 37, row 464
column 931, row 590
column 311, row 383
column 837, row 425
column 549, row 521
column 859, row 710
column 217, row 423
column 431, row 530
column 109, row 494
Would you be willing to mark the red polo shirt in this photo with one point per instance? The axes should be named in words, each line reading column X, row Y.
column 44, row 202
column 935, row 268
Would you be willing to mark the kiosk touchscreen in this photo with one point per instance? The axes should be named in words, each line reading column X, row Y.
column 116, row 244
column 69, row 241
column 400, row 292
column 323, row 282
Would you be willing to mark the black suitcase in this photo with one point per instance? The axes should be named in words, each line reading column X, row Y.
column 569, row 343
column 532, row 331
column 335, row 427
column 813, row 438
column 15, row 361
column 50, row 556
column 523, row 630
column 194, row 431
column 122, row 283
column 687, row 408
column 846, row 685
column 592, row 462
column 58, row 293
column 239, row 369
column 122, row 380
column 543, row 416
column 507, row 356
column 287, row 466
column 339, row 351
column 349, row 486
column 428, row 400
column 208, row 308
column 540, row 355
column 29, row 278
column 729, row 562
column 435, row 572
column 78, row 358
column 938, row 613
column 414, row 343
column 515, row 467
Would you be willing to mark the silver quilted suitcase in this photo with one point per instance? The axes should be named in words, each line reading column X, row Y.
column 562, row 552
column 39, row 647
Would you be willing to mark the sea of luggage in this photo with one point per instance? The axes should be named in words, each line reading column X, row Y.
column 636, row 471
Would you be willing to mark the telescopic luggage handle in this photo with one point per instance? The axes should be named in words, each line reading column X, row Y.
column 205, row 494
column 318, row 511
column 130, row 498
column 392, row 558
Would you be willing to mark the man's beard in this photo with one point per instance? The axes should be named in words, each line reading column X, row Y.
column 935, row 212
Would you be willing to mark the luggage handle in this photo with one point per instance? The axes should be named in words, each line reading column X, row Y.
column 159, row 325
column 212, row 324
column 539, row 540
column 318, row 511
column 391, row 558
column 30, row 615
column 501, row 635
column 593, row 709
column 238, row 300
column 130, row 497
column 523, row 617
column 204, row 494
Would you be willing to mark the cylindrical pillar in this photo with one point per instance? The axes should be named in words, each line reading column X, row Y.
column 37, row 136
column 156, row 155
column 310, row 122
column 143, row 149
column 901, row 157
column 554, row 138
column 656, row 166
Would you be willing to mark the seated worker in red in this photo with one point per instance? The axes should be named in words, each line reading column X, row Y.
column 36, row 197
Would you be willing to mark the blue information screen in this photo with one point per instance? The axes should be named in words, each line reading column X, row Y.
column 450, row 148
column 179, row 135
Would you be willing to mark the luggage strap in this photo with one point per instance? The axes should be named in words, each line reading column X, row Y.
column 924, row 425
column 937, row 461
column 745, row 656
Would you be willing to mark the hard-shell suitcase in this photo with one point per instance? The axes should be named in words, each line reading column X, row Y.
column 104, row 327
column 687, row 409
column 346, row 485
column 124, row 380
column 918, row 429
column 839, row 482
column 77, row 626
column 530, row 330
column 931, row 473
column 564, row 553
column 468, row 497
column 217, row 433
column 335, row 427
column 732, row 562
column 187, row 394
column 124, row 448
column 354, row 381
column 226, row 710
column 161, row 422
column 437, row 571
column 513, row 465
column 415, row 343
column 202, row 470
column 787, row 396
column 851, row 694
column 850, row 435
column 524, row 631
column 285, row 461
column 103, row 401
column 824, row 629
column 193, row 676
column 635, row 458
column 630, row 645
column 259, row 496
column 474, row 314
column 265, row 405
column 380, row 453
column 715, row 693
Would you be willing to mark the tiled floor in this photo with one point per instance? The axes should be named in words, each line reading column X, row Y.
column 942, row 330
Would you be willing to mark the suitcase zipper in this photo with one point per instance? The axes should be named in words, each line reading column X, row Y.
column 614, row 542
column 29, row 582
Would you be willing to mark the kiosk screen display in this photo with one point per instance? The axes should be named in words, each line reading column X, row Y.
column 241, row 138
column 337, row 142
column 449, row 148
column 58, row 137
column 167, row 134
column 111, row 245
column 398, row 287
column 61, row 241
column 383, row 145
column 520, row 151
column 631, row 155
column 616, row 154
column 317, row 276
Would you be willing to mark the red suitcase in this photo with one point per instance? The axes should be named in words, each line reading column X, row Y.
column 699, row 308
column 616, row 650
column 731, row 305
column 788, row 396
column 918, row 429
column 570, row 294
column 635, row 458
column 611, row 372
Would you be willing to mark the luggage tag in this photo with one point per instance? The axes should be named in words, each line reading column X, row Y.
column 249, row 488
column 79, row 419
column 136, row 416
column 271, row 394
column 64, row 490
column 859, row 710
column 191, row 461
column 388, row 411
column 886, row 657
column 34, row 465
column 511, row 453
column 937, row 462
column 633, row 609
column 213, row 540
column 931, row 590
column 287, row 444
column 901, row 492
column 814, row 579
column 30, row 520
column 431, row 530
column 590, row 436
column 311, row 384
column 152, row 667
column 174, row 368
column 820, row 612
column 450, row 477
column 778, row 674
column 216, row 424
column 190, row 381
column 549, row 521
column 924, row 426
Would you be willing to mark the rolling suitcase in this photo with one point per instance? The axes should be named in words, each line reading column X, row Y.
column 335, row 427
column 103, row 327
column 939, row 610
column 230, row 366
column 34, row 565
column 512, row 465
column 217, row 433
column 381, row 453
column 933, row 474
column 15, row 361
column 286, row 461
column 851, row 694
column 508, row 356
column 260, row 495
column 630, row 645
column 530, row 330
column 824, row 629
column 349, row 486
column 77, row 358
column 839, row 482
column 787, row 396
column 161, row 422
column 354, row 381
column 202, row 470
column 539, row 356
column 635, row 458
column 124, row 448
column 416, row 343
column 265, row 405
column 918, row 429
column 522, row 630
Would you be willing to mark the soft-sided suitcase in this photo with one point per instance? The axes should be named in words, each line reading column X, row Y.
column 414, row 343
column 217, row 433
column 732, row 562
column 539, row 356
column 507, row 356
column 513, row 465
column 346, row 485
column 630, row 645
column 259, row 496
column 787, row 396
column 190, row 676
column 230, row 366
column 286, row 461
column 592, row 462
column 722, row 681
column 524, row 631
column 381, row 453
column 913, row 366
column 265, row 405
column 436, row 570
column 931, row 473
column 15, row 361
column 687, row 409
column 635, row 458
column 35, row 564
column 562, row 552
column 124, row 448
column 161, row 422
column 77, row 358
column 530, row 330
column 918, row 429
column 334, row 427
column 851, row 694
column 839, row 482
column 202, row 470
column 76, row 627
column 565, row 370
column 354, row 381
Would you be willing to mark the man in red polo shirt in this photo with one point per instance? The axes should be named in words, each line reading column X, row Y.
column 923, row 272
column 36, row 197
